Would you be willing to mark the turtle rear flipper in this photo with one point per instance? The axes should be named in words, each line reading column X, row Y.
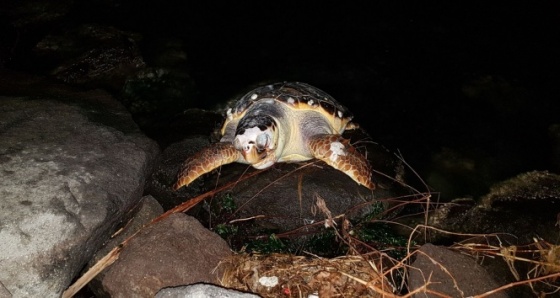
column 339, row 154
column 205, row 161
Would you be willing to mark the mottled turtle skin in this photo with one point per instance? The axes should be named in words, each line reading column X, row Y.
column 282, row 122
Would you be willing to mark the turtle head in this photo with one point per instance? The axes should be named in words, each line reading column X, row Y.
column 257, row 143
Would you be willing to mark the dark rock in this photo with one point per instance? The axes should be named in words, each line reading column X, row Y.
column 153, row 92
column 461, row 172
column 284, row 196
column 175, row 251
column 37, row 13
column 165, row 173
column 71, row 169
column 168, row 52
column 202, row 291
column 528, row 187
column 147, row 210
column 450, row 274
column 91, row 55
column 554, row 136
column 524, row 206
column 190, row 123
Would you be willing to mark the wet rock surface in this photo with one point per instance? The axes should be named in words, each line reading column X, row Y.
column 449, row 273
column 525, row 206
column 73, row 166
column 526, row 188
column 175, row 251
column 285, row 196
column 165, row 172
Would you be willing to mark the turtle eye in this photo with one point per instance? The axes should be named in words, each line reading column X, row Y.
column 262, row 142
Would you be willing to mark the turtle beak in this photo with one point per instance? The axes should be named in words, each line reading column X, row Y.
column 252, row 156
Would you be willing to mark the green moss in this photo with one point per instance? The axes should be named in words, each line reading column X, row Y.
column 325, row 244
column 375, row 212
column 382, row 237
column 228, row 203
column 267, row 246
column 317, row 240
column 226, row 231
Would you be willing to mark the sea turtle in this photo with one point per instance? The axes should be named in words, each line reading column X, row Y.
column 282, row 122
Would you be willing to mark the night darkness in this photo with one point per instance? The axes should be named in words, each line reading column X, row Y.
column 424, row 78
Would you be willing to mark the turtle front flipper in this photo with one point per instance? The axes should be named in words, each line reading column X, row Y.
column 205, row 161
column 339, row 154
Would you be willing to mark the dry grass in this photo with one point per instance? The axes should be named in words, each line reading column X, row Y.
column 300, row 276
column 540, row 262
column 367, row 275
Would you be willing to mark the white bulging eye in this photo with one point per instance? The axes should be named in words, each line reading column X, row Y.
column 262, row 141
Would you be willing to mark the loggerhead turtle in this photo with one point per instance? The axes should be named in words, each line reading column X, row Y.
column 282, row 122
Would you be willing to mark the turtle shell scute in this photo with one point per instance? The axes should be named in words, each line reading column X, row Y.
column 295, row 94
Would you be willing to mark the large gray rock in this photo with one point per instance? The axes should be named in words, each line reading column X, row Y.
column 70, row 169
column 202, row 291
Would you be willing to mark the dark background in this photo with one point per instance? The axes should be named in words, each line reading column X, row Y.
column 464, row 90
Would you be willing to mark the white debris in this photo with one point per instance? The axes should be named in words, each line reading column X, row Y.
column 337, row 149
column 310, row 102
column 314, row 295
column 340, row 114
column 229, row 114
column 254, row 96
column 268, row 281
column 330, row 223
column 291, row 100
